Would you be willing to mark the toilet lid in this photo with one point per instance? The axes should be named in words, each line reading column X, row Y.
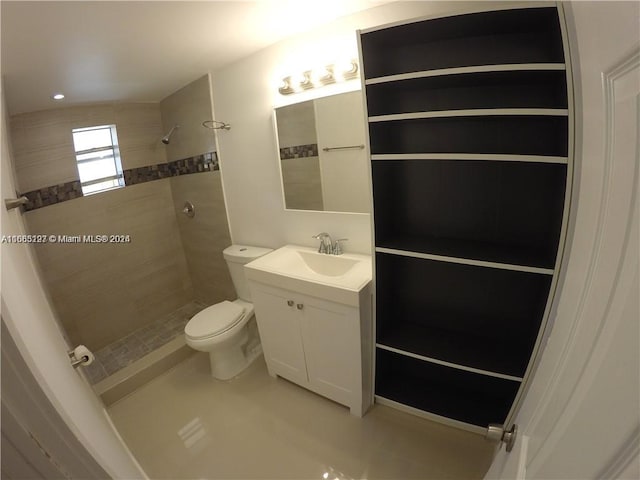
column 214, row 319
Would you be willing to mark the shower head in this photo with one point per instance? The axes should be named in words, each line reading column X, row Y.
column 167, row 138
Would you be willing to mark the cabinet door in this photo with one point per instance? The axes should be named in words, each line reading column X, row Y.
column 279, row 327
column 331, row 336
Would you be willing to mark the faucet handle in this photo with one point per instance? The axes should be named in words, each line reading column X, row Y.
column 337, row 248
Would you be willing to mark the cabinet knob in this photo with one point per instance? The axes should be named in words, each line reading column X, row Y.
column 290, row 303
column 300, row 306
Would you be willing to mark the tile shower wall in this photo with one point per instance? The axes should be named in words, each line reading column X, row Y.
column 103, row 292
column 43, row 144
column 189, row 107
column 206, row 235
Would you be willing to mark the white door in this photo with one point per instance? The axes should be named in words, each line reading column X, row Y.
column 33, row 328
column 581, row 417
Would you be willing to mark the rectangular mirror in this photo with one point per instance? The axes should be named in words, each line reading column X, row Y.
column 321, row 146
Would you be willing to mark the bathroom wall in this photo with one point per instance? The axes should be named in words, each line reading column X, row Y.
column 245, row 93
column 102, row 292
column 206, row 235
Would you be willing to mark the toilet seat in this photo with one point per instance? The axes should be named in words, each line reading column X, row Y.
column 214, row 320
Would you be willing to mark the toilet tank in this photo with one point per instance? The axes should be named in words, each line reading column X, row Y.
column 236, row 257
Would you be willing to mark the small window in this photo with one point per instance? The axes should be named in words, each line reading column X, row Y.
column 98, row 158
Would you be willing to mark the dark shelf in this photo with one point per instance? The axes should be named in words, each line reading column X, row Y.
column 486, row 308
column 520, row 89
column 501, row 208
column 486, row 350
column 507, row 212
column 508, row 134
column 488, row 38
column 464, row 396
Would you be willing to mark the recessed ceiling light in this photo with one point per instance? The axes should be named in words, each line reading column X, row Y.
column 57, row 96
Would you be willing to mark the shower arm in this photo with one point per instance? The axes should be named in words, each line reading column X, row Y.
column 167, row 138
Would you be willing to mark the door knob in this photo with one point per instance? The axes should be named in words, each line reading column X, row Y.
column 497, row 433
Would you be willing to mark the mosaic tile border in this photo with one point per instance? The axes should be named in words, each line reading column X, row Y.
column 51, row 195
column 43, row 197
column 298, row 151
column 207, row 162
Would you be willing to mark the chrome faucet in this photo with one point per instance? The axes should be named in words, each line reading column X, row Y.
column 326, row 245
column 337, row 248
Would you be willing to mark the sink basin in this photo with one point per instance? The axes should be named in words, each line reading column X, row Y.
column 334, row 277
column 329, row 265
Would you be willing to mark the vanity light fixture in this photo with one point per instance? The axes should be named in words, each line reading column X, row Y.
column 285, row 86
column 317, row 78
column 349, row 70
column 306, row 83
column 325, row 76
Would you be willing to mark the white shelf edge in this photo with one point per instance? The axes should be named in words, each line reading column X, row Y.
column 478, row 112
column 471, row 156
column 449, row 364
column 430, row 416
column 467, row 261
column 510, row 67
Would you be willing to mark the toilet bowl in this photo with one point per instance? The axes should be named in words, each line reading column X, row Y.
column 222, row 330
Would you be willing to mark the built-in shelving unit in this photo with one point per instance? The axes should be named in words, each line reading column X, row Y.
column 470, row 133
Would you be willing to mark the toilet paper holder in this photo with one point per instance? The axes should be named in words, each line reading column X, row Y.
column 80, row 355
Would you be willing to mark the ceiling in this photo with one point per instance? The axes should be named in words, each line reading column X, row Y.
column 142, row 50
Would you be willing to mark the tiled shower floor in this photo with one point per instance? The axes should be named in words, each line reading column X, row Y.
column 136, row 345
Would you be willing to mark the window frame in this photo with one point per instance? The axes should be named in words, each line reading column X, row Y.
column 114, row 148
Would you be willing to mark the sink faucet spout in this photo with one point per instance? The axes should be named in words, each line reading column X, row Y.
column 326, row 244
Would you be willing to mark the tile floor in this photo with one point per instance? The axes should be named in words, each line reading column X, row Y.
column 136, row 345
column 185, row 424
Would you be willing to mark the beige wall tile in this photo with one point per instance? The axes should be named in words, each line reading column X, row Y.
column 102, row 292
column 303, row 187
column 139, row 133
column 204, row 236
column 296, row 124
column 189, row 107
column 43, row 149
column 43, row 143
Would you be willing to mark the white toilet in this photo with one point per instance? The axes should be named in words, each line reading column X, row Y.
column 222, row 329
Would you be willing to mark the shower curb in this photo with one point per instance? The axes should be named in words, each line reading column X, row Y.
column 125, row 381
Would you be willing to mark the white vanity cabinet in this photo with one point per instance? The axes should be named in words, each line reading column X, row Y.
column 321, row 345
